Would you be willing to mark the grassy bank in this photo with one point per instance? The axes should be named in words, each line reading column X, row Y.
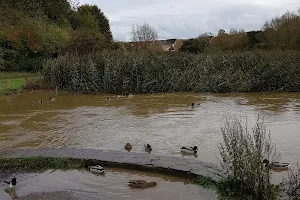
column 14, row 82
column 39, row 163
column 117, row 72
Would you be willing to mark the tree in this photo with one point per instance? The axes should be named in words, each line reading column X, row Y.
column 100, row 18
column 85, row 41
column 143, row 32
column 221, row 32
column 283, row 31
column 197, row 45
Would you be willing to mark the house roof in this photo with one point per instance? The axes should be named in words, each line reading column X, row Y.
column 168, row 42
column 141, row 43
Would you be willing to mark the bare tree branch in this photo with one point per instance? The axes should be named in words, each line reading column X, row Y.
column 143, row 32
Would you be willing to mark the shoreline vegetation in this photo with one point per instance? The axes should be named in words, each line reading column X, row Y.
column 16, row 82
column 139, row 72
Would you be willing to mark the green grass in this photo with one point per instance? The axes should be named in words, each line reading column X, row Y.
column 11, row 82
column 40, row 163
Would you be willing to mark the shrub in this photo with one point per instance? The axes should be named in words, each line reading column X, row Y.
column 242, row 154
column 291, row 184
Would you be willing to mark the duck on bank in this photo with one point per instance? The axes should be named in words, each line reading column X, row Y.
column 148, row 147
column 128, row 146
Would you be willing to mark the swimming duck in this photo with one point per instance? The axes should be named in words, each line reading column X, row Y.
column 11, row 183
column 130, row 95
column 52, row 99
column 96, row 169
column 193, row 105
column 147, row 147
column 128, row 146
column 276, row 165
column 141, row 184
column 192, row 150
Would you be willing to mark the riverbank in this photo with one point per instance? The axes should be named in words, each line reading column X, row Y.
column 64, row 158
column 16, row 162
column 15, row 82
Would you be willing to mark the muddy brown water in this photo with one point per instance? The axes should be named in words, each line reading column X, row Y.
column 111, row 185
column 166, row 121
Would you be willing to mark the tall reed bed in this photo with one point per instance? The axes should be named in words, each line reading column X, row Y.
column 120, row 72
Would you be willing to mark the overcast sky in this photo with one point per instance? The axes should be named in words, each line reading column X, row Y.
column 189, row 18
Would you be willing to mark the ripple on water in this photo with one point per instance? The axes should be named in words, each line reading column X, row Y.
column 166, row 121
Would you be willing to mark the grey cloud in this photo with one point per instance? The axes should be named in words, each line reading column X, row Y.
column 189, row 18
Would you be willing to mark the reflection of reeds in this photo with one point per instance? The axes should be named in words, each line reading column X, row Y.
column 12, row 193
column 291, row 184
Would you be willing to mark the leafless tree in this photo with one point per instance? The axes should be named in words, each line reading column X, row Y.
column 143, row 32
column 74, row 4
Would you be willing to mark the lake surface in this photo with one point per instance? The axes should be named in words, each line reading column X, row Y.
column 111, row 185
column 166, row 121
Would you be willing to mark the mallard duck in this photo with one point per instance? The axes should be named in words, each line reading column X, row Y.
column 96, row 169
column 194, row 104
column 52, row 99
column 141, row 184
column 276, row 165
column 128, row 146
column 191, row 150
column 11, row 183
column 147, row 147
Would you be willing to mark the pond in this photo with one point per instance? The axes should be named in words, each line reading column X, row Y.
column 166, row 121
column 111, row 185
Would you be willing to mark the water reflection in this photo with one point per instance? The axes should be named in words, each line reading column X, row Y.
column 12, row 193
column 113, row 185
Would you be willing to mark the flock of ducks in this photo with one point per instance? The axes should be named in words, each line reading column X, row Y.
column 50, row 99
column 142, row 184
column 183, row 149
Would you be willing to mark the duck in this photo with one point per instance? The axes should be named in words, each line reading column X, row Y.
column 52, row 99
column 194, row 104
column 141, row 184
column 128, row 146
column 276, row 165
column 96, row 169
column 11, row 183
column 41, row 101
column 148, row 147
column 129, row 95
column 191, row 150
